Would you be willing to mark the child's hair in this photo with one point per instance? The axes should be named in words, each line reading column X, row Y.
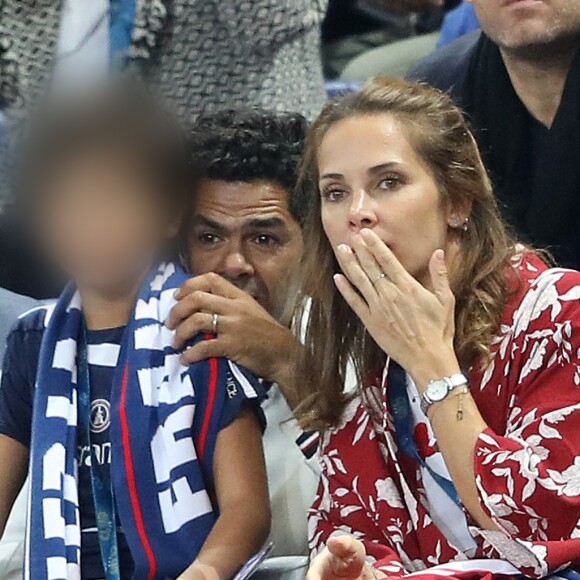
column 120, row 117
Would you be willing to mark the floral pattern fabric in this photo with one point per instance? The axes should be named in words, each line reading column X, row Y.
column 526, row 463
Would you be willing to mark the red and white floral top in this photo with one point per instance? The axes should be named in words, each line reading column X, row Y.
column 527, row 462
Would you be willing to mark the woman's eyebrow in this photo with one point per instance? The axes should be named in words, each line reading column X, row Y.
column 370, row 171
column 331, row 176
column 382, row 167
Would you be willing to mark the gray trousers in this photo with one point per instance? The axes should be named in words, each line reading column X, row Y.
column 337, row 54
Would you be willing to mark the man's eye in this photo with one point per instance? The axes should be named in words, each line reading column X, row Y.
column 208, row 239
column 265, row 240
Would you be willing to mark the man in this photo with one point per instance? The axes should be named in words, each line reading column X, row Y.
column 245, row 244
column 519, row 82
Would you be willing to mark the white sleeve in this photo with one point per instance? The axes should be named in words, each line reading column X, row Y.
column 309, row 444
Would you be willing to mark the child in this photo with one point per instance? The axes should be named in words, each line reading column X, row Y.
column 140, row 467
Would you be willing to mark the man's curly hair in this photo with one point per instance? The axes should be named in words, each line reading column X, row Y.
column 250, row 145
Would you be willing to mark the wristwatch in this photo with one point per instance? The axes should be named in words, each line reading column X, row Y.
column 438, row 390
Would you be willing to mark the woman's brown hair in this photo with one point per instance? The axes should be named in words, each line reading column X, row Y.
column 333, row 334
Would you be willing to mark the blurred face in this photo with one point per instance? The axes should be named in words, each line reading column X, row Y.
column 102, row 223
column 371, row 177
column 246, row 233
column 522, row 24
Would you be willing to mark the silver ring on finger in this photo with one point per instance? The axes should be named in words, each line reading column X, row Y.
column 214, row 324
column 379, row 278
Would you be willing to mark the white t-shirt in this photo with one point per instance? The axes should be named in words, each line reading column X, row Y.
column 292, row 480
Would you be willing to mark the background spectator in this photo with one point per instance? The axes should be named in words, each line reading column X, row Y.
column 201, row 55
column 412, row 24
column 520, row 84
column 349, row 31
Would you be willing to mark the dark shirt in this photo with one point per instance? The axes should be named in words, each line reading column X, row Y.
column 447, row 67
column 16, row 408
column 516, row 208
column 16, row 397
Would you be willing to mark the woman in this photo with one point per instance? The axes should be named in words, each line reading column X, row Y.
column 459, row 453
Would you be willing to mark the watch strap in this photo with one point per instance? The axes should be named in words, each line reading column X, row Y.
column 453, row 382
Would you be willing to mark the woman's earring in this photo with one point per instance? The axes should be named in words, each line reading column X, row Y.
column 457, row 223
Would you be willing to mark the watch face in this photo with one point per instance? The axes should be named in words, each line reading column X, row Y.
column 437, row 390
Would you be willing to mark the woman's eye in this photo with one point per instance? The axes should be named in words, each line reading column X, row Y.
column 332, row 195
column 390, row 183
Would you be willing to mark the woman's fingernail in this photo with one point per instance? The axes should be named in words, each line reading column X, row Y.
column 344, row 249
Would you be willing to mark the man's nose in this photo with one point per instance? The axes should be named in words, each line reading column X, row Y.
column 235, row 265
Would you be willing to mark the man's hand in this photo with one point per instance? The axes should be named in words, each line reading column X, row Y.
column 246, row 333
column 342, row 559
column 405, row 5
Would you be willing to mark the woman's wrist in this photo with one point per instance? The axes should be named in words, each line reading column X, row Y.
column 434, row 366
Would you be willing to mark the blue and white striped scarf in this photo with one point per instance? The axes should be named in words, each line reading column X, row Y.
column 165, row 418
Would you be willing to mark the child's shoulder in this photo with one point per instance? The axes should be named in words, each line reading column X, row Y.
column 24, row 341
column 34, row 320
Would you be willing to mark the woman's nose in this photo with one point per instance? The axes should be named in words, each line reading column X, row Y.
column 362, row 214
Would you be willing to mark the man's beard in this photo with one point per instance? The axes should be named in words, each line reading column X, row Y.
column 561, row 36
